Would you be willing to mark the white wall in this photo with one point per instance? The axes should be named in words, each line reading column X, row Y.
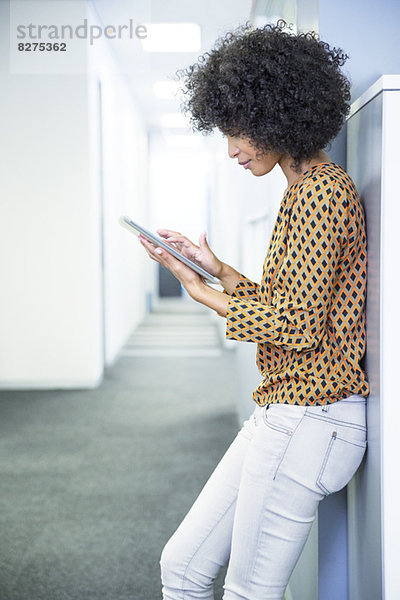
column 373, row 157
column 119, row 152
column 390, row 339
column 51, row 317
column 50, row 320
column 179, row 167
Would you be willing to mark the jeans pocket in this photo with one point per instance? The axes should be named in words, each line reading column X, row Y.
column 284, row 418
column 342, row 459
column 281, row 421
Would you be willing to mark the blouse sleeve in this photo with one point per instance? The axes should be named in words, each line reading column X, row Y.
column 302, row 288
column 245, row 288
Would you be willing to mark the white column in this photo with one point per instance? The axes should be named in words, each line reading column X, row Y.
column 374, row 520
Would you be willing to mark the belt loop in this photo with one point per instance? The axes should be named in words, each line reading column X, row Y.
column 325, row 408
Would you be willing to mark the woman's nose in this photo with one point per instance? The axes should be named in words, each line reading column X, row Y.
column 233, row 150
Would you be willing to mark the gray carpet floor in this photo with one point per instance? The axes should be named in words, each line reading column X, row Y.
column 94, row 482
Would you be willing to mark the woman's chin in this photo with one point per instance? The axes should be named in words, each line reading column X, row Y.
column 259, row 171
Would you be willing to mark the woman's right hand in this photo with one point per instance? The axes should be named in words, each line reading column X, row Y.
column 202, row 255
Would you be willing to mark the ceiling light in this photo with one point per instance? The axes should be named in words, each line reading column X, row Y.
column 172, row 37
column 166, row 90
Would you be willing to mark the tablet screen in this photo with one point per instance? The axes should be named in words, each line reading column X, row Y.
column 157, row 241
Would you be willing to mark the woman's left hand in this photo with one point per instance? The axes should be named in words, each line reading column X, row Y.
column 190, row 280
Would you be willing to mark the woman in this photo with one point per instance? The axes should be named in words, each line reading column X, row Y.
column 279, row 99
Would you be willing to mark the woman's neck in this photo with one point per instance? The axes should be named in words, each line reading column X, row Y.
column 293, row 172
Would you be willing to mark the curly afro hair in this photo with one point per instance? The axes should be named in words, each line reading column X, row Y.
column 283, row 91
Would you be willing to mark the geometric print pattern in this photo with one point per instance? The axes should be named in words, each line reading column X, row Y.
column 308, row 314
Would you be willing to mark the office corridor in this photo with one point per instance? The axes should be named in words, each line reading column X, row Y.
column 94, row 482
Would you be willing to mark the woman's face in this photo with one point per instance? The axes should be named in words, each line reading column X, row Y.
column 250, row 158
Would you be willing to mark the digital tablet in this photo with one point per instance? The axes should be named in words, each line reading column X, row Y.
column 157, row 241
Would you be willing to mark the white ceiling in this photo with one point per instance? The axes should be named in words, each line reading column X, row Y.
column 215, row 17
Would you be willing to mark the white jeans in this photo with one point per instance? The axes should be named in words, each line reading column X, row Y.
column 257, row 508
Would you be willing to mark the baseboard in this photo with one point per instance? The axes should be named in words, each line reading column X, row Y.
column 51, row 385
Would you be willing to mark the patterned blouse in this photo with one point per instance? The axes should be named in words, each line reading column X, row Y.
column 308, row 314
